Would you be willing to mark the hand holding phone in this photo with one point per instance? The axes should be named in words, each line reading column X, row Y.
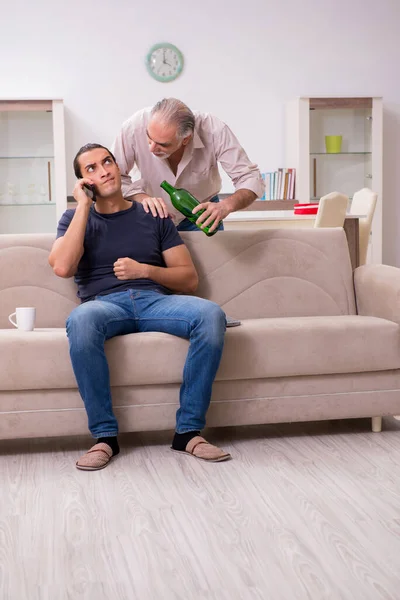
column 83, row 190
column 89, row 189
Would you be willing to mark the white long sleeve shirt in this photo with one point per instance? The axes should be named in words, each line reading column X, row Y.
column 212, row 143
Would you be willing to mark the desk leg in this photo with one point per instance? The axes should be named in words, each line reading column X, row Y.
column 351, row 230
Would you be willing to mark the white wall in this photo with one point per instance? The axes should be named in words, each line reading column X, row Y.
column 244, row 60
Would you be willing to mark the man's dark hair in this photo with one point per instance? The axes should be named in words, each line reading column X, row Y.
column 87, row 148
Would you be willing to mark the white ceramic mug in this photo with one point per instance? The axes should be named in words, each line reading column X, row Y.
column 25, row 318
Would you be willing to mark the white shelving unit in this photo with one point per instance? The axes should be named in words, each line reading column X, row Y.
column 359, row 163
column 33, row 185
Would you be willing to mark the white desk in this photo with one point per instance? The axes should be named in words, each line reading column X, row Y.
column 274, row 215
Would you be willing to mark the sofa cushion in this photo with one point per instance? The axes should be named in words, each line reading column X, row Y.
column 310, row 346
column 259, row 348
column 40, row 359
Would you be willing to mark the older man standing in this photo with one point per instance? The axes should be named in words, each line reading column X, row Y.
column 171, row 142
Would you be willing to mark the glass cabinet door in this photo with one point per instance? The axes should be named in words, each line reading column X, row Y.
column 340, row 145
column 32, row 165
column 26, row 157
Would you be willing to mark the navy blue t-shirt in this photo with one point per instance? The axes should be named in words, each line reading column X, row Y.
column 130, row 233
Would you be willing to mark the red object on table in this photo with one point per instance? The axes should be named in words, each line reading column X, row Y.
column 306, row 209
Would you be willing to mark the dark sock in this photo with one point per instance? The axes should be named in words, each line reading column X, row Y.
column 181, row 440
column 112, row 442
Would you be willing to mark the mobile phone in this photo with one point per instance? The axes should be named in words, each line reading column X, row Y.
column 230, row 322
column 90, row 191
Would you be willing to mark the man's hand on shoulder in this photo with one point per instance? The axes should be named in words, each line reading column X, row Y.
column 214, row 212
column 156, row 206
column 127, row 268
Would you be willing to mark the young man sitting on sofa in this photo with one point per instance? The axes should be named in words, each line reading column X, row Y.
column 132, row 270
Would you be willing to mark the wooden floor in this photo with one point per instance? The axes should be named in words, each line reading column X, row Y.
column 304, row 511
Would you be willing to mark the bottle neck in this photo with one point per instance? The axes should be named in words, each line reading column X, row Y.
column 167, row 187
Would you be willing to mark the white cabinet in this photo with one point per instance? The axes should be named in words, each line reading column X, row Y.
column 355, row 163
column 33, row 187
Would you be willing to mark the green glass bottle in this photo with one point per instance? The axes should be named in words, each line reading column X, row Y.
column 183, row 201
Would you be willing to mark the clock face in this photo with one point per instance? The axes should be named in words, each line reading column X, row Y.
column 164, row 62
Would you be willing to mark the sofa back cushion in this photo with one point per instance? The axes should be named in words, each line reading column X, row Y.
column 251, row 274
column 26, row 279
column 275, row 272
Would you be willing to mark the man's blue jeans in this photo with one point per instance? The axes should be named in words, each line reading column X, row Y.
column 186, row 225
column 92, row 323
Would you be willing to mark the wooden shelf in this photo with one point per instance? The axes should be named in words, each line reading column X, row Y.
column 26, row 105
column 324, row 103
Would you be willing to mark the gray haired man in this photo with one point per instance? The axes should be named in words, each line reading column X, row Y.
column 171, row 142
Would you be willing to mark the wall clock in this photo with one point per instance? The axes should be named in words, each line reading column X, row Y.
column 164, row 62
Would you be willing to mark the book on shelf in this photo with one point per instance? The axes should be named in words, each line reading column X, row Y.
column 280, row 184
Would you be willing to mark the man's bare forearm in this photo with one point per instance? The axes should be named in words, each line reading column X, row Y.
column 68, row 250
column 178, row 279
column 240, row 199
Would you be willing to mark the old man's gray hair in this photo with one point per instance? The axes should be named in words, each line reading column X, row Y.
column 175, row 112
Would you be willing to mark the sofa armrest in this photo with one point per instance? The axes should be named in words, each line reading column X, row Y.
column 377, row 289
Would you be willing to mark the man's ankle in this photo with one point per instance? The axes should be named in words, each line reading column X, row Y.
column 181, row 440
column 110, row 441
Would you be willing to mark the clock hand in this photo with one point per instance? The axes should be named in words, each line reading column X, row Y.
column 164, row 61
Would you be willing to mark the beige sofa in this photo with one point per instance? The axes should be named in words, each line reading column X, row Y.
column 305, row 350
